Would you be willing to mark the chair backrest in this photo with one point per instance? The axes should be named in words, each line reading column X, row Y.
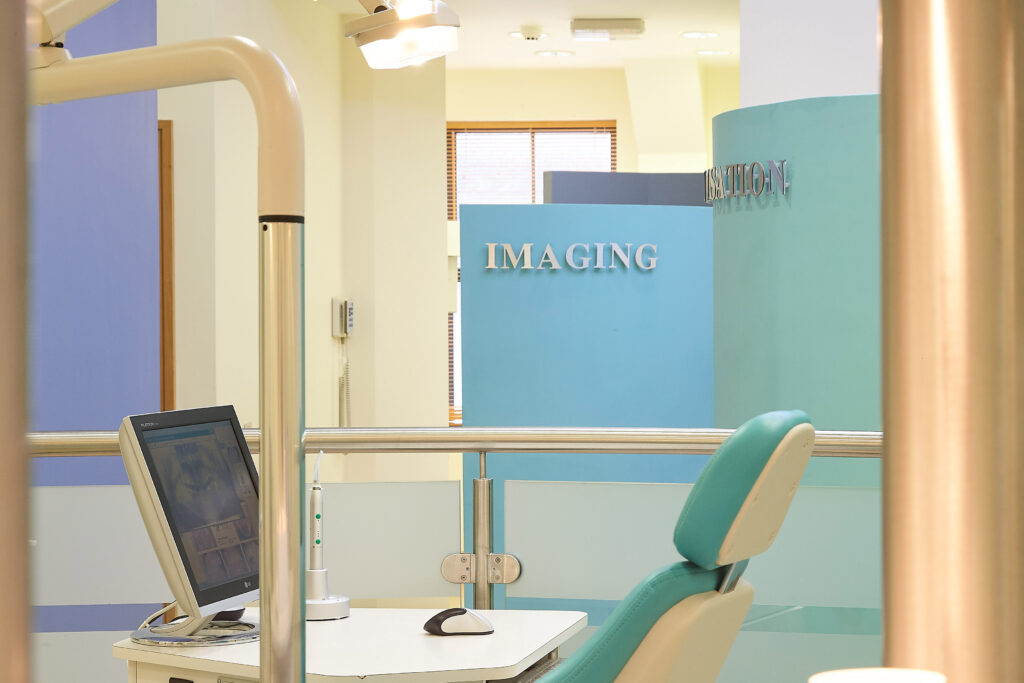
column 679, row 623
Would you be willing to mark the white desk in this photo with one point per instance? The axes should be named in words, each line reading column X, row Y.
column 379, row 645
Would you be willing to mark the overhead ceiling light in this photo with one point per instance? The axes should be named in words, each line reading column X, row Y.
column 554, row 53
column 522, row 36
column 606, row 29
column 700, row 35
column 712, row 53
column 400, row 33
column 528, row 33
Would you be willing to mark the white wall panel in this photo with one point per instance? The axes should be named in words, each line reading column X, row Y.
column 77, row 658
column 582, row 540
column 828, row 554
column 91, row 548
column 387, row 540
column 589, row 540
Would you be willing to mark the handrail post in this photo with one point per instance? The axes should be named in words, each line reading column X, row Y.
column 483, row 526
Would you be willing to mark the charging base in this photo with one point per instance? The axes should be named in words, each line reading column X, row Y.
column 324, row 609
column 320, row 604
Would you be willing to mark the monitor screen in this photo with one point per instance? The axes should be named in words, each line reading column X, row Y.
column 207, row 485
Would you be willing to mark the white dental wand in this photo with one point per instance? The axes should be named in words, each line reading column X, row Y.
column 320, row 604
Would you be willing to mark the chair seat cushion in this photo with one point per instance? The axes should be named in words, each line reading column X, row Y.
column 602, row 657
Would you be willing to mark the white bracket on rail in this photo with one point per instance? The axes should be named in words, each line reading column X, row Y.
column 461, row 568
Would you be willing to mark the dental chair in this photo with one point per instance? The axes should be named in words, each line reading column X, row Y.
column 680, row 622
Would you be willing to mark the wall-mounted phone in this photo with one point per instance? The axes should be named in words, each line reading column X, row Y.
column 342, row 317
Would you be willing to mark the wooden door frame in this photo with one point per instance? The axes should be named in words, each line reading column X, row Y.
column 165, row 135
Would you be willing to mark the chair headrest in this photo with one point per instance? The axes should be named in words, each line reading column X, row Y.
column 738, row 503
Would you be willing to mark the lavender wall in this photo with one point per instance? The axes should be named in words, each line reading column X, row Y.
column 94, row 244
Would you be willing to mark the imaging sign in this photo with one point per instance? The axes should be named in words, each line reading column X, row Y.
column 745, row 180
column 578, row 256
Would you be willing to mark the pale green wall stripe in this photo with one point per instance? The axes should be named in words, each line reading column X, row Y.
column 853, row 621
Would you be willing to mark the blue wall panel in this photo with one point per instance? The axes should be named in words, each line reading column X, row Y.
column 588, row 348
column 610, row 347
column 94, row 244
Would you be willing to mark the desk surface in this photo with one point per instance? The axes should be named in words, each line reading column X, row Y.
column 388, row 645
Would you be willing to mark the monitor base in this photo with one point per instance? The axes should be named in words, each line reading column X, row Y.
column 214, row 633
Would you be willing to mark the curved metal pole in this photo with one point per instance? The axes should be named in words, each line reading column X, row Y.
column 280, row 204
column 953, row 329
column 14, row 461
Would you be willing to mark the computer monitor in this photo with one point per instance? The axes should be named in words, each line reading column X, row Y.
column 197, row 490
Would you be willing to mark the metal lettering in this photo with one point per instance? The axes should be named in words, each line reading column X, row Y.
column 740, row 180
column 548, row 257
column 577, row 256
column 624, row 257
column 524, row 255
column 760, row 178
column 651, row 261
column 776, row 176
column 570, row 256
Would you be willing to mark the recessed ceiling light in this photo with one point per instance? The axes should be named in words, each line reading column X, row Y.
column 712, row 53
column 554, row 53
column 700, row 35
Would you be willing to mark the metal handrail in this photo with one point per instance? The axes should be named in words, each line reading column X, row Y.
column 484, row 440
column 489, row 439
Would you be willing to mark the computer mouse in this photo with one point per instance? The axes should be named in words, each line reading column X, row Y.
column 458, row 621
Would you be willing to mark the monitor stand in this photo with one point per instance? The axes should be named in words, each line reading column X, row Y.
column 194, row 631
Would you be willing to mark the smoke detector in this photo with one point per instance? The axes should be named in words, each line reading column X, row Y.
column 606, row 29
column 528, row 32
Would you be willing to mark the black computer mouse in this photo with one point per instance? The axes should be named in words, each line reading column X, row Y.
column 458, row 621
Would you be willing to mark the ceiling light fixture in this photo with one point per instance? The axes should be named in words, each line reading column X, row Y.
column 400, row 33
column 712, row 53
column 606, row 29
column 700, row 35
column 554, row 53
column 528, row 33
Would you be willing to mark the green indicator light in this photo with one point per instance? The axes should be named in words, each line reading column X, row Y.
column 318, row 541
column 318, row 516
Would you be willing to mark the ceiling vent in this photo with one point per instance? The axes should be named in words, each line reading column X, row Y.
column 601, row 30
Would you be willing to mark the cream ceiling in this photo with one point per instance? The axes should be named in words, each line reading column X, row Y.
column 484, row 40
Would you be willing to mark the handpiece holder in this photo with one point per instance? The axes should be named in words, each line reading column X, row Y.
column 320, row 604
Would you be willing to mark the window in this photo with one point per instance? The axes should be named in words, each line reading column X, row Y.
column 504, row 163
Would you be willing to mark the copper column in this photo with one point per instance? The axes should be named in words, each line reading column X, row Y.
column 952, row 267
column 14, row 462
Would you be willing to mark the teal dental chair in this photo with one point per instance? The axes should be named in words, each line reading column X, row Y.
column 680, row 622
